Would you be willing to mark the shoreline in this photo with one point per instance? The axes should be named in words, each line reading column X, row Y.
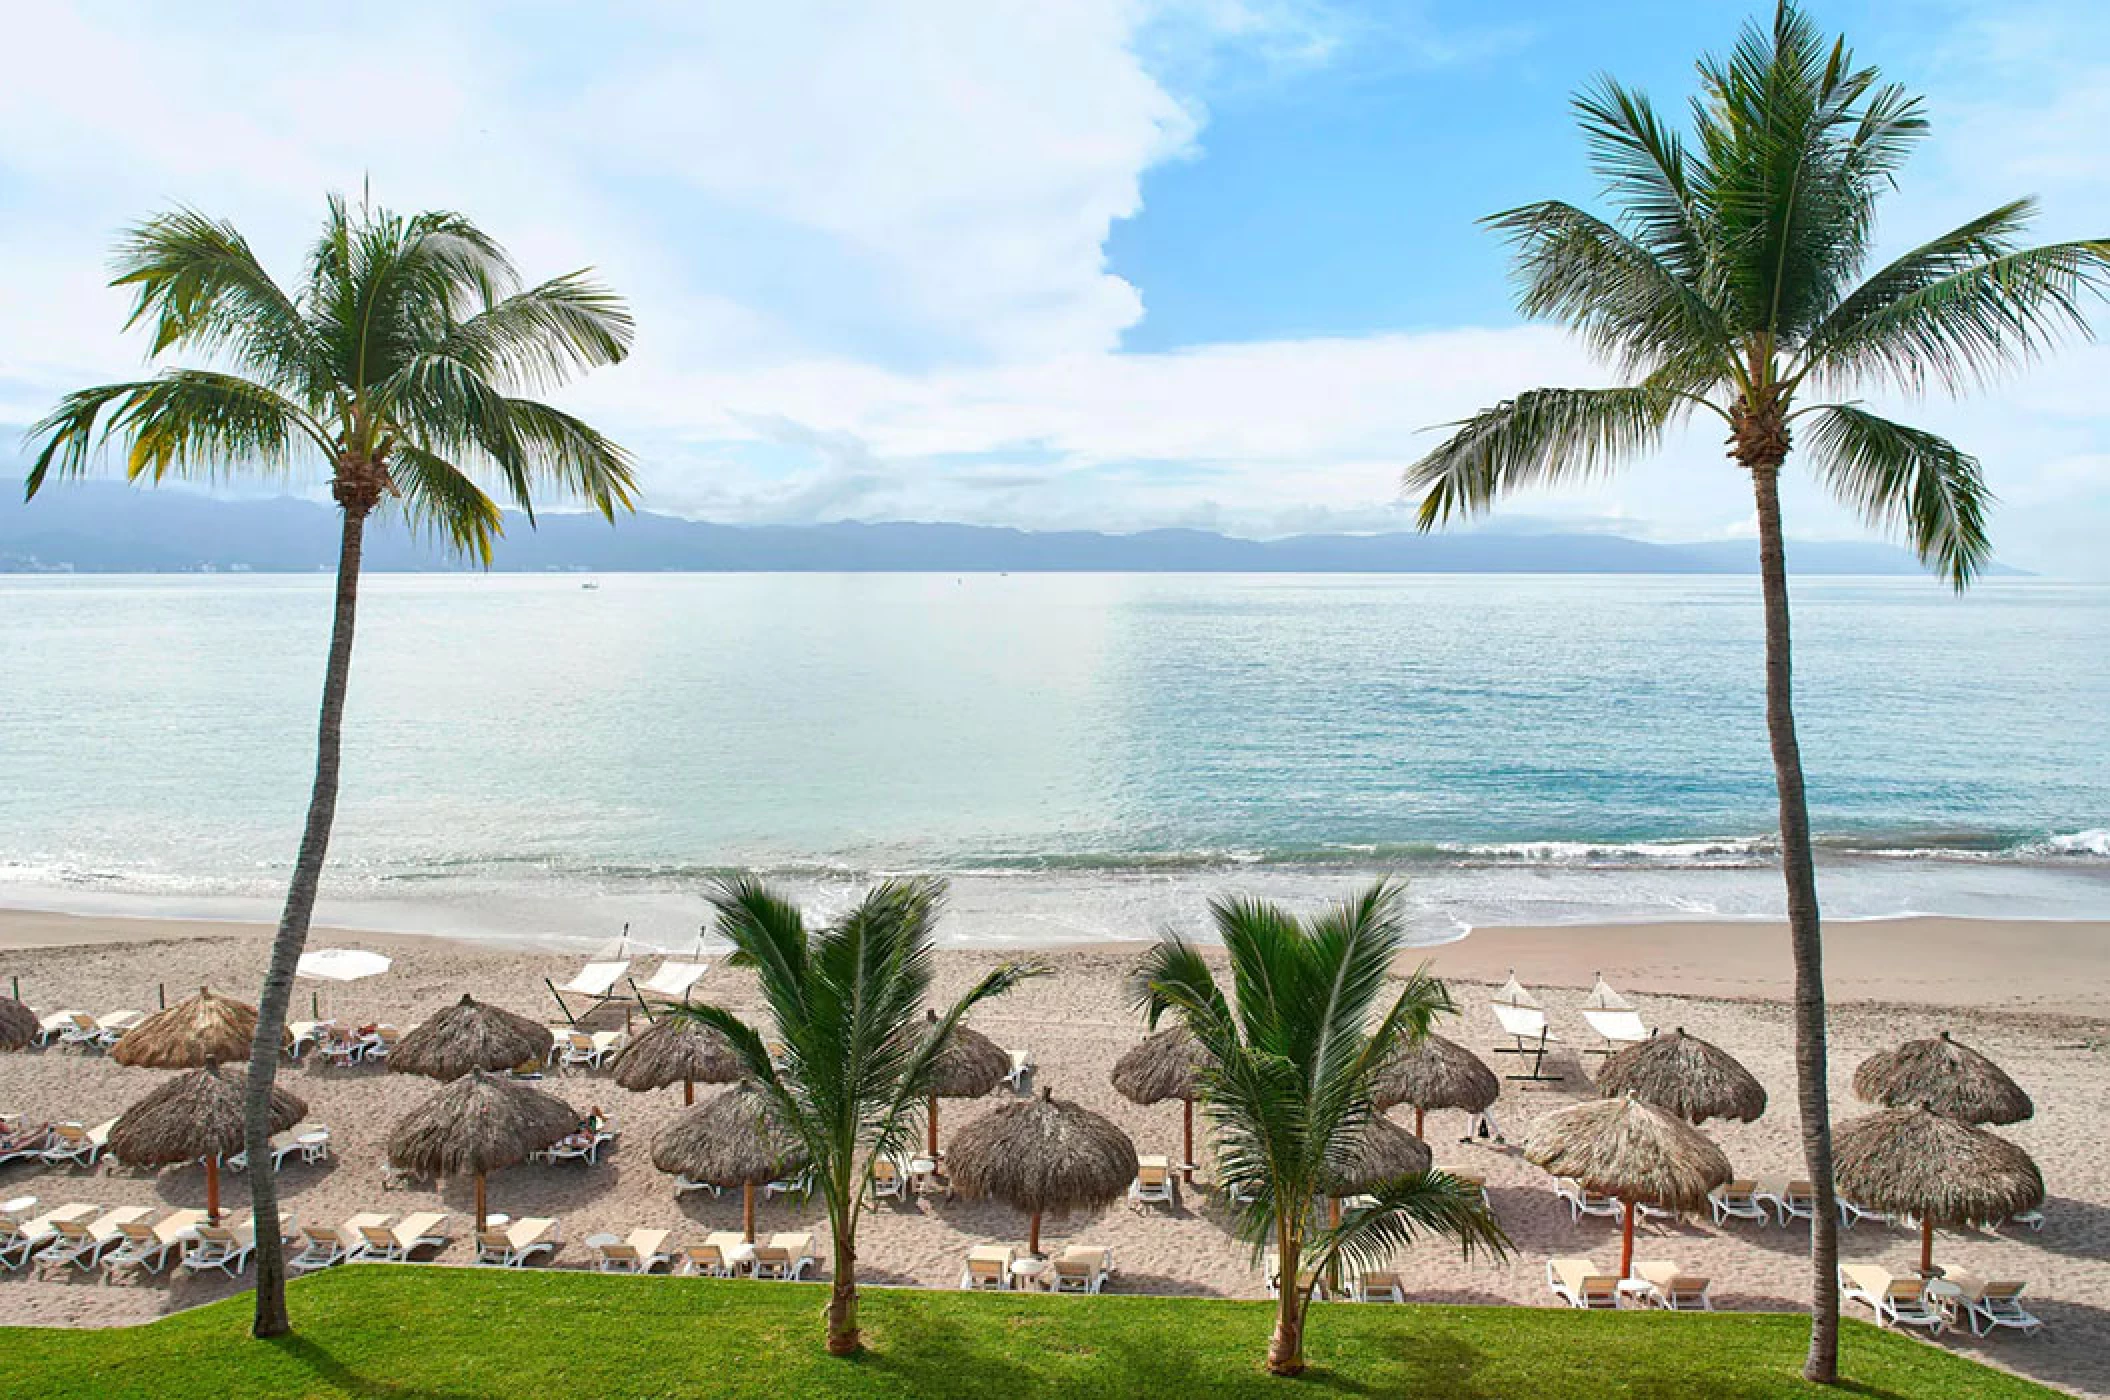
column 2045, row 966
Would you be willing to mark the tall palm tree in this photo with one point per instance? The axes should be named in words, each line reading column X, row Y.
column 399, row 365
column 1729, row 281
column 857, row 1058
column 1288, row 1087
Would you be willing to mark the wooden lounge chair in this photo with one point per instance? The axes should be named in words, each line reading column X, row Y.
column 154, row 1247
column 82, row 1243
column 1083, row 1268
column 1982, row 1306
column 324, row 1246
column 32, row 1237
column 889, row 1182
column 397, row 1243
column 1896, row 1302
column 1737, row 1200
column 516, row 1246
column 786, row 1256
column 988, row 1268
column 223, row 1247
column 75, row 1145
column 1582, row 1202
column 1671, row 1287
column 639, row 1252
column 1581, row 1284
column 1153, row 1183
column 1377, row 1286
column 1791, row 1200
column 707, row 1259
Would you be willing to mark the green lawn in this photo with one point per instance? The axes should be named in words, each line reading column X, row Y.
column 377, row 1330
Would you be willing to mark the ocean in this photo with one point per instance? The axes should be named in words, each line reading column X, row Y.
column 1085, row 756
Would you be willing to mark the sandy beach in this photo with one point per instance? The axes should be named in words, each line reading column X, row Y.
column 2032, row 994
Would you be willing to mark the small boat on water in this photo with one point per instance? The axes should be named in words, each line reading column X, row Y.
column 591, row 584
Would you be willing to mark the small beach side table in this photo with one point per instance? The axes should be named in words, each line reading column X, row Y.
column 1029, row 1272
column 741, row 1257
column 1639, row 1290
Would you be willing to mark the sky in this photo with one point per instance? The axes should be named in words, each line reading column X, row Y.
column 1107, row 264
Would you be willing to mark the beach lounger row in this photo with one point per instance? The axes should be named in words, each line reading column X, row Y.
column 1654, row 1283
column 370, row 1235
column 83, row 1031
column 1080, row 1268
column 335, row 1043
column 728, row 1254
column 309, row 1141
column 87, row 1236
column 1896, row 1301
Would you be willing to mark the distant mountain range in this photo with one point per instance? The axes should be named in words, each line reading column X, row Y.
column 105, row 527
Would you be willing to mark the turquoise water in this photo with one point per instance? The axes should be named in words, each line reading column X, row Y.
column 1097, row 750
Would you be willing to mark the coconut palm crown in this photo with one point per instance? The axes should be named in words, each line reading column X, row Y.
column 402, row 364
column 1288, row 1086
column 855, row 1056
column 1732, row 280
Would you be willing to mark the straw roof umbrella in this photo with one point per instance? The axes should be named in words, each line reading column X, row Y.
column 195, row 1115
column 18, row 1024
column 477, row 1125
column 1433, row 1072
column 1916, row 1161
column 970, row 1065
column 676, row 1050
column 468, row 1036
column 1632, row 1150
column 1948, row 1077
column 733, row 1140
column 1168, row 1065
column 1690, row 1077
column 1042, row 1154
column 204, row 1029
column 1387, row 1152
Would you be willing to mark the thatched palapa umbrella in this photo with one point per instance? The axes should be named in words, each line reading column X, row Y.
column 1948, row 1077
column 1915, row 1161
column 1632, row 1150
column 1433, row 1072
column 1386, row 1153
column 1042, row 1154
column 197, row 1031
column 469, row 1036
column 18, row 1024
column 479, row 1124
column 1168, row 1065
column 1686, row 1075
column 733, row 1140
column 196, row 1115
column 676, row 1050
column 970, row 1065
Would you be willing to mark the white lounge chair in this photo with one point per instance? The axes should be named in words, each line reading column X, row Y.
column 786, row 1256
column 1153, row 1184
column 1082, row 1268
column 223, row 1247
column 82, row 1243
column 1896, row 1302
column 154, row 1247
column 639, row 1252
column 1737, row 1200
column 32, row 1237
column 515, row 1246
column 1021, row 1066
column 672, row 982
column 397, row 1243
column 1982, row 1306
column 1851, row 1214
column 707, row 1259
column 1791, row 1200
column 24, row 1140
column 325, row 1246
column 74, row 1145
column 111, row 1028
column 889, row 1181
column 582, row 1146
column 589, row 1048
column 1581, row 1284
column 685, row 1184
column 1670, row 1287
column 1377, row 1286
column 12, row 1220
column 1582, row 1202
column 988, row 1268
column 52, row 1027
column 82, row 1030
column 1526, row 1026
column 311, row 1141
column 798, row 1184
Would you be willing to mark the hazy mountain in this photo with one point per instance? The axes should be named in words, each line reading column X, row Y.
column 104, row 527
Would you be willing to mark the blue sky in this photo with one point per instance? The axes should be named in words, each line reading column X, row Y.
column 1109, row 263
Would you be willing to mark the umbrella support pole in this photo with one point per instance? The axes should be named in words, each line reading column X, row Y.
column 688, row 1093
column 1187, row 1139
column 747, row 1211
column 1626, row 1237
column 1033, row 1236
column 1420, row 1119
column 212, row 1189
column 479, row 1203
column 1926, row 1248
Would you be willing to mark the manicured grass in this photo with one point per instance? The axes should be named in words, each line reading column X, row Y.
column 403, row 1331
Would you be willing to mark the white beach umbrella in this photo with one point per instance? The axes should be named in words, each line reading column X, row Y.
column 337, row 965
column 1603, row 998
column 1512, row 993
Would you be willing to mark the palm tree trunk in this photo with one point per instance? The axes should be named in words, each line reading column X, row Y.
column 271, row 1317
column 1285, row 1350
column 843, row 1339
column 1805, row 935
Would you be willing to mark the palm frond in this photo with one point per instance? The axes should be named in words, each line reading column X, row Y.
column 1541, row 437
column 1648, row 174
column 440, row 499
column 1904, row 477
column 554, row 448
column 1404, row 1212
column 539, row 338
column 194, row 422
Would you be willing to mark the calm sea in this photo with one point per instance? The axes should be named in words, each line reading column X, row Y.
column 1088, row 756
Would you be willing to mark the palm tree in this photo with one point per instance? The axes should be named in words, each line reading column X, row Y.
column 1729, row 282
column 1288, row 1087
column 396, row 365
column 856, row 1057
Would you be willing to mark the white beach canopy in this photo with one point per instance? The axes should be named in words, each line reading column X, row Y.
column 1603, row 998
column 1512, row 993
column 340, row 965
